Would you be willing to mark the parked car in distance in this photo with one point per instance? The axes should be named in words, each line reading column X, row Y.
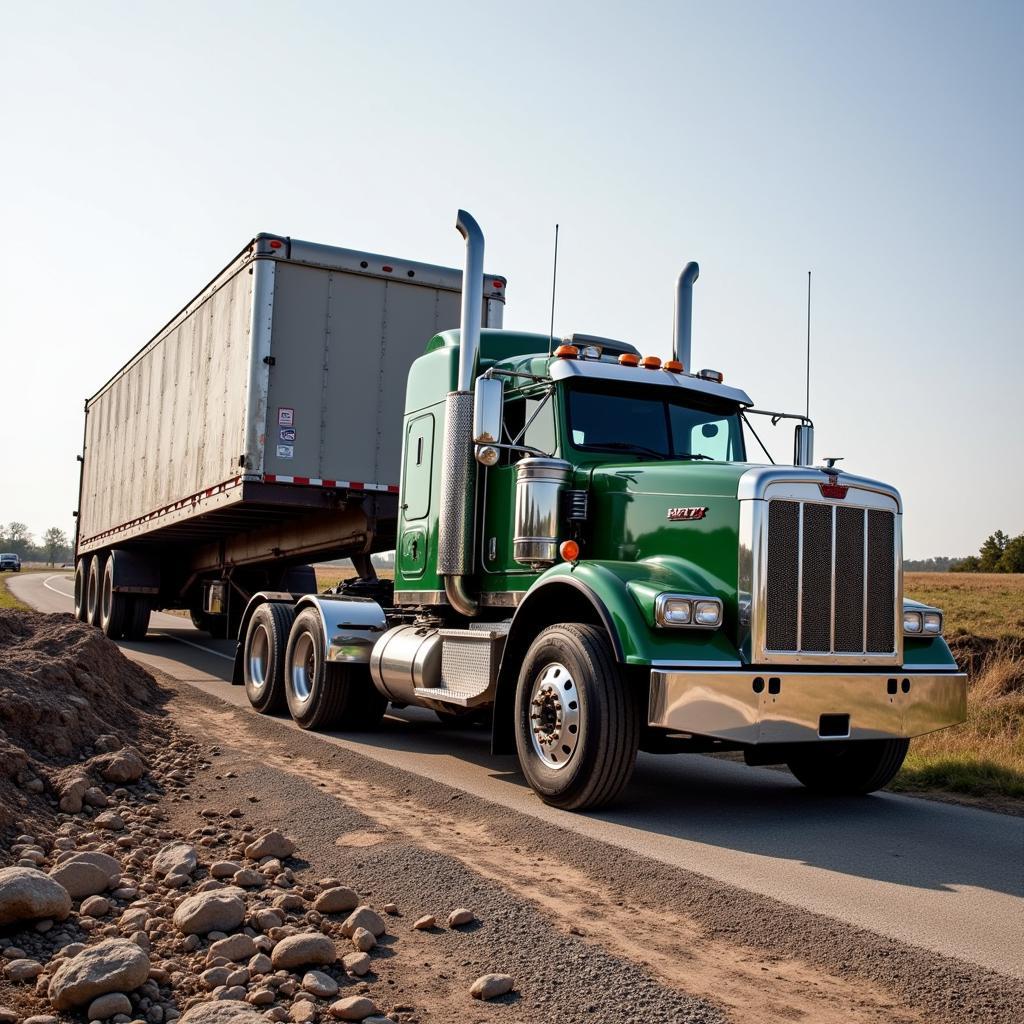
column 10, row 563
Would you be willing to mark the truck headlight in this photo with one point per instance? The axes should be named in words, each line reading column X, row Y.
column 921, row 620
column 674, row 611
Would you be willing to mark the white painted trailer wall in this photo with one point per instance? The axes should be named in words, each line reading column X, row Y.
column 289, row 331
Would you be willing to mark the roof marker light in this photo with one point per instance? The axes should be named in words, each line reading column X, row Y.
column 650, row 363
column 672, row 365
column 712, row 375
column 387, row 269
column 567, row 351
column 276, row 243
column 629, row 359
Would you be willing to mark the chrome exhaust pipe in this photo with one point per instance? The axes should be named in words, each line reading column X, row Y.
column 684, row 314
column 458, row 471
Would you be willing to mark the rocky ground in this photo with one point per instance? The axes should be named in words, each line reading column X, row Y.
column 165, row 857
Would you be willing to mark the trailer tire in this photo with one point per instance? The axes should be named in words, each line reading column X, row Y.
column 322, row 695
column 115, row 608
column 263, row 657
column 851, row 768
column 94, row 586
column 81, row 589
column 215, row 625
column 582, row 750
column 136, row 623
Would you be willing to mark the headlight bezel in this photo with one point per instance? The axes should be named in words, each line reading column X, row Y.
column 688, row 605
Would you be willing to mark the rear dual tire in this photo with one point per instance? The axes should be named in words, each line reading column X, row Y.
column 323, row 695
column 266, row 642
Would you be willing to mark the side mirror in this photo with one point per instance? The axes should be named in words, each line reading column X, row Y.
column 803, row 445
column 487, row 408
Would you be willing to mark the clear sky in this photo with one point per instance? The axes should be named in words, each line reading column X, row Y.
column 879, row 144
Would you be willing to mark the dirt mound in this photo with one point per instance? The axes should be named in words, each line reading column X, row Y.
column 976, row 654
column 63, row 684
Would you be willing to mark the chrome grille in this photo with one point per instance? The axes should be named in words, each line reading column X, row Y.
column 830, row 579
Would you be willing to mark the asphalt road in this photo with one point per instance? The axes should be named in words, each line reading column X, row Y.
column 945, row 878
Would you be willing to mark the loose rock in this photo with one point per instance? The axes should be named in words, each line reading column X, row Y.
column 490, row 986
column 321, row 985
column 303, row 949
column 175, row 859
column 356, row 964
column 23, row 969
column 105, row 1007
column 336, row 901
column 270, row 844
column 86, row 874
column 235, row 948
column 114, row 965
column 363, row 940
column 425, row 922
column 26, row 894
column 460, row 917
column 123, row 765
column 353, row 1008
column 222, row 1011
column 363, row 917
column 220, row 910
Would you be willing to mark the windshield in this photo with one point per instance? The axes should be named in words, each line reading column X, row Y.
column 654, row 422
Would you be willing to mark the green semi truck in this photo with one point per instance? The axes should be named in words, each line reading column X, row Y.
column 587, row 558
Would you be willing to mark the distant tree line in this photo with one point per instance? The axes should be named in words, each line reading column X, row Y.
column 53, row 548
column 939, row 564
column 999, row 553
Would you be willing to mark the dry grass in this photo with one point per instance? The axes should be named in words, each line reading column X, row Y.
column 332, row 575
column 984, row 757
column 7, row 599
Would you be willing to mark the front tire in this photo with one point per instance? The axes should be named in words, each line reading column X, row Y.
column 266, row 645
column 850, row 768
column 577, row 720
column 322, row 695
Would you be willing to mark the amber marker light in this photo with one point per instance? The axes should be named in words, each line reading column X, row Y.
column 650, row 363
column 673, row 366
column 628, row 359
column 567, row 351
column 569, row 550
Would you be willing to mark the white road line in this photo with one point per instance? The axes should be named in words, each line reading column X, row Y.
column 198, row 647
column 46, row 583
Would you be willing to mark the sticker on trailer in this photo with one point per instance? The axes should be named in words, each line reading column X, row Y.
column 286, row 451
column 287, row 434
column 285, row 417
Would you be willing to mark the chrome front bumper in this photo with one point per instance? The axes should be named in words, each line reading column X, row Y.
column 794, row 707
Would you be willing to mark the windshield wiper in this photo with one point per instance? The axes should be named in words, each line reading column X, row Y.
column 695, row 455
column 622, row 446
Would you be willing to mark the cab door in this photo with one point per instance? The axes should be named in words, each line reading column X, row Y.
column 417, row 483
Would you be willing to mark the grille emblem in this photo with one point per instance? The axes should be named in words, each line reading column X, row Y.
column 833, row 489
column 680, row 515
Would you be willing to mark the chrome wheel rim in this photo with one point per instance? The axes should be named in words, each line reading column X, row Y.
column 259, row 657
column 303, row 667
column 554, row 716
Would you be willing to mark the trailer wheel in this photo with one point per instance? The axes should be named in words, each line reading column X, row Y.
column 577, row 721
column 215, row 625
column 322, row 695
column 114, row 607
column 136, row 622
column 852, row 768
column 266, row 643
column 81, row 589
column 93, row 588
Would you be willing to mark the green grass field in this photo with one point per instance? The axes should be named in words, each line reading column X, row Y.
column 984, row 757
column 7, row 599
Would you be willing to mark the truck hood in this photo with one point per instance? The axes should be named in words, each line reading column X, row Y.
column 686, row 512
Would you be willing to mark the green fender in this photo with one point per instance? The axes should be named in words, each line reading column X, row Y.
column 623, row 594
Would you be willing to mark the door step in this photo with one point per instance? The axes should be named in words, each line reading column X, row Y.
column 469, row 665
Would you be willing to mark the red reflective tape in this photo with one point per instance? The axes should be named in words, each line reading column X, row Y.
column 356, row 485
column 330, row 483
column 300, row 479
column 392, row 488
column 269, row 478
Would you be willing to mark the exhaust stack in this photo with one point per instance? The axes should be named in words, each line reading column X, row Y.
column 684, row 314
column 458, row 471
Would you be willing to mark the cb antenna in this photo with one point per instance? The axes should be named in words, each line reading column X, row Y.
column 807, row 407
column 554, row 281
